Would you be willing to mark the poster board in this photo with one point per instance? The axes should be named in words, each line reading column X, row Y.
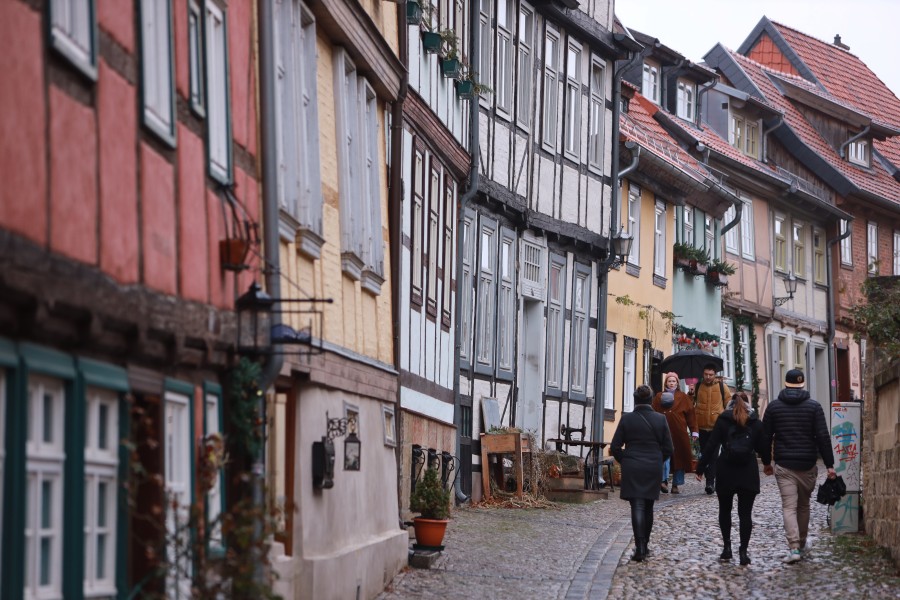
column 845, row 443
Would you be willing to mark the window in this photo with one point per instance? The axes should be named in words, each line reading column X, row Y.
column 798, row 238
column 687, row 225
column 659, row 240
column 726, row 349
column 650, row 88
column 709, row 236
column 45, row 459
column 299, row 173
column 685, row 100
column 744, row 343
column 872, row 247
column 731, row 243
column 597, row 115
column 434, row 238
column 780, row 358
column 896, row 252
column 846, row 244
column 746, row 225
column 799, row 354
column 819, row 256
column 101, row 462
column 780, row 256
column 156, row 68
column 362, row 245
column 551, row 87
column 177, row 465
column 556, row 302
column 609, row 359
column 466, row 288
column 628, row 374
column 634, row 222
column 573, row 100
column 447, row 259
column 215, row 499
column 218, row 124
column 506, row 304
column 418, row 201
column 581, row 300
column 485, row 39
column 858, row 152
column 744, row 135
column 505, row 21
column 195, row 58
column 73, row 24
column 532, row 270
column 487, row 297
column 526, row 54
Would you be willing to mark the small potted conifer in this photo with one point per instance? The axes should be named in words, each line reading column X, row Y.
column 432, row 502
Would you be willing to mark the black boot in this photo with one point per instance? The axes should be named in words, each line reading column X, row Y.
column 640, row 527
column 640, row 552
column 726, row 551
column 745, row 558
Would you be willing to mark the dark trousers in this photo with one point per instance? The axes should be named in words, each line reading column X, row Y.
column 710, row 472
column 745, row 508
column 641, row 518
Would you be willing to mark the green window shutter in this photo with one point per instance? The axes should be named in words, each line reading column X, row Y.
column 103, row 375
column 46, row 361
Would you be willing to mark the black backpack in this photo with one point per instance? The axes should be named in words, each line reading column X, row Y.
column 738, row 448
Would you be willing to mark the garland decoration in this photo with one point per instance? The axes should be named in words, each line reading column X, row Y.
column 687, row 338
column 740, row 378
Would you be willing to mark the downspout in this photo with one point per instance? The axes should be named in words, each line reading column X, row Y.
column 463, row 202
column 853, row 139
column 598, row 417
column 832, row 367
column 703, row 89
column 272, row 366
column 765, row 136
column 395, row 212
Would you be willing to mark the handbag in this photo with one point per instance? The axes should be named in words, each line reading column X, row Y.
column 831, row 490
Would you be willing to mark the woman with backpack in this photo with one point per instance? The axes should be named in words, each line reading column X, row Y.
column 740, row 434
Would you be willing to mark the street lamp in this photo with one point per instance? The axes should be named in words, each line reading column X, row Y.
column 790, row 286
column 620, row 248
column 254, row 320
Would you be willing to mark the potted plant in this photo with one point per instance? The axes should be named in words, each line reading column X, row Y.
column 450, row 50
column 432, row 502
column 683, row 253
column 414, row 11
column 431, row 42
column 467, row 86
column 699, row 262
column 718, row 272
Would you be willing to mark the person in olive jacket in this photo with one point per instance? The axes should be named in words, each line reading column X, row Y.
column 797, row 425
column 738, row 472
column 641, row 443
column 680, row 417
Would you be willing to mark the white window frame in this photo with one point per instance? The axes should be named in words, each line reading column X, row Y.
column 157, row 69
column 633, row 215
column 525, row 78
column 177, row 466
column 572, row 118
column 858, row 152
column 819, row 266
column 532, row 272
column 73, row 33
column 744, row 343
column 779, row 251
column 556, row 320
column 747, row 231
column 373, row 236
column 896, row 252
column 799, row 354
column 506, row 303
column 726, row 349
column 687, row 225
column 609, row 360
column 215, row 499
column 506, row 15
column 299, row 171
column 550, row 131
column 466, row 288
column 846, row 243
column 218, row 122
column 196, row 60
column 629, row 364
column 872, row 266
column 434, row 236
column 659, row 239
column 487, row 296
column 486, row 41
column 798, row 246
column 448, row 254
column 731, row 236
column 581, row 303
column 650, row 84
column 45, row 464
column 101, row 465
column 597, row 116
column 686, row 95
column 346, row 96
column 709, row 231
column 417, row 228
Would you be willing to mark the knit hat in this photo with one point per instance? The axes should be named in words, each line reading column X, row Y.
column 794, row 379
column 666, row 378
column 667, row 399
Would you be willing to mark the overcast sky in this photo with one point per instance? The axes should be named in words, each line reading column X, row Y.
column 692, row 27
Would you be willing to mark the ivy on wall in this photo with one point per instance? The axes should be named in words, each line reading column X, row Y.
column 740, row 378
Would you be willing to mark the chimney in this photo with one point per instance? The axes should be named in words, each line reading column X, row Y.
column 839, row 43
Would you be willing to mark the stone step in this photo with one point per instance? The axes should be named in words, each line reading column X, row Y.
column 568, row 482
column 581, row 496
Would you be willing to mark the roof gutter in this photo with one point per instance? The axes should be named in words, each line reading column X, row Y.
column 832, row 367
column 462, row 204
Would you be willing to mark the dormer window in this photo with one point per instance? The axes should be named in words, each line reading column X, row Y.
column 858, row 152
column 650, row 87
column 744, row 135
column 687, row 91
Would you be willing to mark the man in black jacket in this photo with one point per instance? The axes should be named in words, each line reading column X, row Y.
column 797, row 424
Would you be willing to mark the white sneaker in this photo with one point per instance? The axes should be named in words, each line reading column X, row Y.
column 806, row 549
column 793, row 556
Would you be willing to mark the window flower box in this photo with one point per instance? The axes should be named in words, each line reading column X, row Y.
column 431, row 42
column 450, row 68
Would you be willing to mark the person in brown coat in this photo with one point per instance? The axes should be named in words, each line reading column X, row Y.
column 710, row 397
column 680, row 417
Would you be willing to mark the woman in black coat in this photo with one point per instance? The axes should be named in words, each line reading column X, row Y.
column 740, row 434
column 647, row 443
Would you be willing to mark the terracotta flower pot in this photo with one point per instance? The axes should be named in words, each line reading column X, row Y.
column 430, row 532
column 232, row 253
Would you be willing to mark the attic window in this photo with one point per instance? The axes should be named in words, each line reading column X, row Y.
column 744, row 135
column 858, row 152
column 650, row 87
column 685, row 99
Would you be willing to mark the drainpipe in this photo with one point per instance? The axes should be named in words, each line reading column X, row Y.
column 765, row 136
column 464, row 199
column 832, row 367
column 599, row 414
column 703, row 89
column 272, row 367
column 853, row 139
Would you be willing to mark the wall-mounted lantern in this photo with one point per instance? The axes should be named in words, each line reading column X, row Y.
column 266, row 325
column 790, row 286
column 323, row 451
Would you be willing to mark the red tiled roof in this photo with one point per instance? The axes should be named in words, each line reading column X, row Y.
column 875, row 180
column 848, row 78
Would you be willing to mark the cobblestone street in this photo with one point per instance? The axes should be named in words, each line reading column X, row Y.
column 582, row 551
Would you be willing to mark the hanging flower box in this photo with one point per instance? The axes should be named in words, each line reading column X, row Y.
column 450, row 68
column 465, row 89
column 716, row 278
column 697, row 267
column 431, row 42
column 413, row 12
